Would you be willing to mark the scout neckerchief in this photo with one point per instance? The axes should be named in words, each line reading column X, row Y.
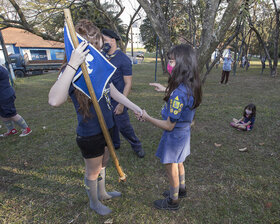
column 110, row 56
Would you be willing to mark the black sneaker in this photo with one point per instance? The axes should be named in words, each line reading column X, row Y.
column 141, row 153
column 182, row 193
column 166, row 204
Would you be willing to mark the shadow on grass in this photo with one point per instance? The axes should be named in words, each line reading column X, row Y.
column 42, row 174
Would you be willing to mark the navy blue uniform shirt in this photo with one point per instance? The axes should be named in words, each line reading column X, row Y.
column 252, row 119
column 91, row 125
column 6, row 91
column 124, row 68
column 178, row 107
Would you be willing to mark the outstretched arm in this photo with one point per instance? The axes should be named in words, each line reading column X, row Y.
column 120, row 98
column 59, row 91
column 163, row 124
column 127, row 87
column 158, row 87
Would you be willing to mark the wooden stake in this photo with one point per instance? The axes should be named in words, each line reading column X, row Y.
column 96, row 106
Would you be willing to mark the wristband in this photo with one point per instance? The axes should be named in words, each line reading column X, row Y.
column 71, row 67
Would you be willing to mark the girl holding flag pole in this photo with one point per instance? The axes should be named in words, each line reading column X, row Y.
column 89, row 134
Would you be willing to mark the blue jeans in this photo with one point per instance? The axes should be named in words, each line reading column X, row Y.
column 124, row 127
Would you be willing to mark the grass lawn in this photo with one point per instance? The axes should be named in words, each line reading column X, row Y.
column 41, row 176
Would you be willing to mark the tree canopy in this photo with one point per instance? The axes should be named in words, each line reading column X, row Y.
column 248, row 27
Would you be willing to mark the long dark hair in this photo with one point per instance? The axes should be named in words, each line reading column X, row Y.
column 252, row 108
column 185, row 71
column 93, row 35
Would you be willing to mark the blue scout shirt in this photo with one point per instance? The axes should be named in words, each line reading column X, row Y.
column 90, row 126
column 6, row 91
column 124, row 68
column 178, row 107
column 227, row 64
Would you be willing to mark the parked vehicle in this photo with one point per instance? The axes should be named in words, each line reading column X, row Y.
column 24, row 68
column 138, row 57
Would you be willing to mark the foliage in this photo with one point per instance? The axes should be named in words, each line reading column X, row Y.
column 87, row 10
column 185, row 21
column 148, row 35
column 48, row 17
column 38, row 16
column 264, row 20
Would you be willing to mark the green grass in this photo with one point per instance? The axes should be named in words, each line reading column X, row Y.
column 41, row 176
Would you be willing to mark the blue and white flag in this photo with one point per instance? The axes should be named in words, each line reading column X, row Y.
column 99, row 68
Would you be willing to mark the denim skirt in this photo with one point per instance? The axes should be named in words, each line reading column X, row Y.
column 174, row 145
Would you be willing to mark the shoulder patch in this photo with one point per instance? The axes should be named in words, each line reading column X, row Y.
column 176, row 103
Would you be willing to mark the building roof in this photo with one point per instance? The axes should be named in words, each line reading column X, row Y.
column 23, row 38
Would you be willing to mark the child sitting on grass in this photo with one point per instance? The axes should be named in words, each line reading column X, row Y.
column 246, row 123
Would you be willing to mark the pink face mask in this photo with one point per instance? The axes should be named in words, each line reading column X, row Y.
column 169, row 68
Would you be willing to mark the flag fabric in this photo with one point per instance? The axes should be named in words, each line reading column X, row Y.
column 99, row 68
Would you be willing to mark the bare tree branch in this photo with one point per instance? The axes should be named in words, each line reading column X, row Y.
column 155, row 14
column 228, row 41
column 261, row 41
column 132, row 20
column 21, row 15
column 121, row 11
column 276, row 39
column 212, row 40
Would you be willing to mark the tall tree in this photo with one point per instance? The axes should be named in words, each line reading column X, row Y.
column 276, row 39
column 32, row 15
column 213, row 30
column 269, row 38
column 211, row 37
column 113, row 16
column 148, row 35
column 45, row 18
column 157, row 17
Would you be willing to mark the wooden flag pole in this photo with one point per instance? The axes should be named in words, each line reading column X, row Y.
column 96, row 106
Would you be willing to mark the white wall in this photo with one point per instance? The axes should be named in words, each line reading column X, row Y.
column 137, row 40
column 10, row 50
column 2, row 59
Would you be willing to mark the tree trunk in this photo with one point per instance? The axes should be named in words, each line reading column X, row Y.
column 247, row 50
column 162, row 60
column 263, row 45
column 276, row 41
column 235, row 55
column 159, row 24
column 210, row 39
column 229, row 40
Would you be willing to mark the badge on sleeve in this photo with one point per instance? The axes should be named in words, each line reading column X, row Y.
column 176, row 103
column 175, row 106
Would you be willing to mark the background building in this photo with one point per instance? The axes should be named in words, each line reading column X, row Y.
column 136, row 36
column 30, row 46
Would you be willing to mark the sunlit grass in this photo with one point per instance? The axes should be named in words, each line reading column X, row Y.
column 41, row 176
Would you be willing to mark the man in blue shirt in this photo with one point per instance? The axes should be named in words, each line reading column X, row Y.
column 122, row 80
